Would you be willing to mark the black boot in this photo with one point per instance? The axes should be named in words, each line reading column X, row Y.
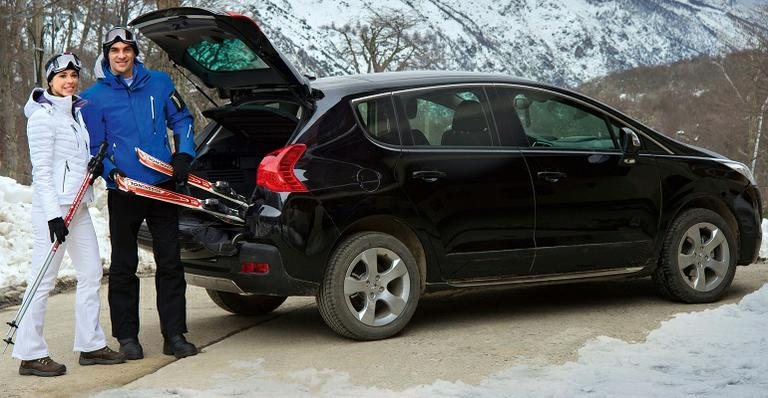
column 132, row 348
column 179, row 347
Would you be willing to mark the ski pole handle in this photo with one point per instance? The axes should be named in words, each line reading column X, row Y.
column 101, row 153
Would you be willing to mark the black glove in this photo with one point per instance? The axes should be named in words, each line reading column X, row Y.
column 115, row 172
column 180, row 163
column 96, row 169
column 57, row 228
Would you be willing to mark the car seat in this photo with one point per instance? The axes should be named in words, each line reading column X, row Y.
column 469, row 127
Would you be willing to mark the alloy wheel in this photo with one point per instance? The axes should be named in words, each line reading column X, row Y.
column 377, row 286
column 703, row 256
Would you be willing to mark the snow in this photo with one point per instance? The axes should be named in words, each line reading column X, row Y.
column 764, row 246
column 16, row 234
column 719, row 352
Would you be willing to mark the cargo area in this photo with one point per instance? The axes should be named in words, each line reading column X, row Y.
column 230, row 149
column 239, row 136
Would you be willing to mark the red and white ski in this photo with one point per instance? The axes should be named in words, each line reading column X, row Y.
column 210, row 206
column 220, row 188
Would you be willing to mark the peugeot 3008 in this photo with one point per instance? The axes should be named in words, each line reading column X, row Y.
column 369, row 190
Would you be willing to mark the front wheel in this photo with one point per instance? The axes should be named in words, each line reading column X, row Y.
column 370, row 288
column 698, row 259
column 254, row 304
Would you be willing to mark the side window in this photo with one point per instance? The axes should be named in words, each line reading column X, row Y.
column 378, row 118
column 556, row 122
column 446, row 117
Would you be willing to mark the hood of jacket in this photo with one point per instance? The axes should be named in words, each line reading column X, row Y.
column 41, row 99
column 105, row 76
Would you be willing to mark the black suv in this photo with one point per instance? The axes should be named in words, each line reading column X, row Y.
column 369, row 190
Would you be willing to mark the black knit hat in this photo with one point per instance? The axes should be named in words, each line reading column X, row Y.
column 61, row 62
column 119, row 34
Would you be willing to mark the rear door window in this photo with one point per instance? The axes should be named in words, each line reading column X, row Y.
column 377, row 115
column 456, row 116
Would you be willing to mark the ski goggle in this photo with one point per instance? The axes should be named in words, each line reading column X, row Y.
column 63, row 61
column 119, row 34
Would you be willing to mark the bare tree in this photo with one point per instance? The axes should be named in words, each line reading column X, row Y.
column 387, row 40
column 759, row 69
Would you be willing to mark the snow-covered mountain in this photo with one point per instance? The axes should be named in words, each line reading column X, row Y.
column 562, row 42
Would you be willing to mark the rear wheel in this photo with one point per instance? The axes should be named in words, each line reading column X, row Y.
column 698, row 260
column 371, row 287
column 254, row 304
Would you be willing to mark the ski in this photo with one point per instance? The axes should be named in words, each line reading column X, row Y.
column 219, row 188
column 32, row 289
column 211, row 206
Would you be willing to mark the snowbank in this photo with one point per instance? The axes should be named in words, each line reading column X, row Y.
column 16, row 236
column 764, row 247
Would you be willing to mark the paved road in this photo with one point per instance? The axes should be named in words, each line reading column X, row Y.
column 464, row 335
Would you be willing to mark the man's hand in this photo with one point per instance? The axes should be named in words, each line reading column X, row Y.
column 57, row 228
column 116, row 172
column 180, row 163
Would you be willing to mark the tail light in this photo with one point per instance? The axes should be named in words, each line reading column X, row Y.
column 275, row 171
column 254, row 268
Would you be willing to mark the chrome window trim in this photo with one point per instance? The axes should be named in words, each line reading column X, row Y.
column 419, row 148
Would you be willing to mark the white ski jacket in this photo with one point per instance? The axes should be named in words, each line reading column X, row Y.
column 58, row 149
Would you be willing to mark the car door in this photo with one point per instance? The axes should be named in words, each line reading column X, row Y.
column 594, row 210
column 475, row 198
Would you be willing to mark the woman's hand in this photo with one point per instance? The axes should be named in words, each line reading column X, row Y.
column 57, row 228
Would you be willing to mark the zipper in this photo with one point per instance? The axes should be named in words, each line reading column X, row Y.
column 64, row 180
column 152, row 104
column 77, row 136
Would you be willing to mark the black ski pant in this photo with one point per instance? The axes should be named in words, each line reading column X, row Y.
column 126, row 213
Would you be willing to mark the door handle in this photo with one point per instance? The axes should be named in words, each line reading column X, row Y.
column 428, row 175
column 551, row 176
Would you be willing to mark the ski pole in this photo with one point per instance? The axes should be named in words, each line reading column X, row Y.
column 31, row 290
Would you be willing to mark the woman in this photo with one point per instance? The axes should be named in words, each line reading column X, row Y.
column 58, row 149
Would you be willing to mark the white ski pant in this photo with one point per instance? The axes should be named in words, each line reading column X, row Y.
column 83, row 249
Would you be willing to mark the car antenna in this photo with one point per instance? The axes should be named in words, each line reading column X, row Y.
column 196, row 86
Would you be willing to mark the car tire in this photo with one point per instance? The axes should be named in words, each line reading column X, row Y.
column 698, row 258
column 370, row 288
column 254, row 304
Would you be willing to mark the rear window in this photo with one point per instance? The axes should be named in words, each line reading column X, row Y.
column 224, row 55
column 378, row 118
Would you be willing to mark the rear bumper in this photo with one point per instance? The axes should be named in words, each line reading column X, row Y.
column 223, row 273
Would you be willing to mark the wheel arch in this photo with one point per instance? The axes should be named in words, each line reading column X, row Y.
column 715, row 204
column 397, row 228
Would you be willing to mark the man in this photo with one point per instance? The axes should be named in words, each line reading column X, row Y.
column 130, row 106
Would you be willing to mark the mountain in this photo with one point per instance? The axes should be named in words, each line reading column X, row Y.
column 561, row 42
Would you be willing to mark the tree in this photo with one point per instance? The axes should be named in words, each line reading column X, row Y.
column 387, row 40
column 753, row 94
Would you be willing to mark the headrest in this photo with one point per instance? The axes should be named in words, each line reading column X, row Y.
column 468, row 116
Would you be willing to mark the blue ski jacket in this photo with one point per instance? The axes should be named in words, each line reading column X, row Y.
column 134, row 116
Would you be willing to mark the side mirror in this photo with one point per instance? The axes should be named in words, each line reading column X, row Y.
column 630, row 146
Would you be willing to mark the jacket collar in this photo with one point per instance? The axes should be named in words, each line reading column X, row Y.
column 105, row 75
column 41, row 98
